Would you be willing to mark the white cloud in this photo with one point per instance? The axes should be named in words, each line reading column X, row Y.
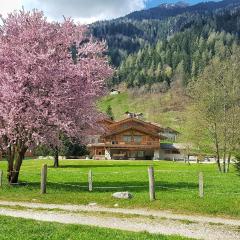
column 81, row 10
column 7, row 6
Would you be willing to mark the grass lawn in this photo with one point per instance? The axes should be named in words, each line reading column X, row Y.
column 21, row 229
column 177, row 185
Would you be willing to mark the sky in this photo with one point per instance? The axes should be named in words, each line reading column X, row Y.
column 83, row 11
column 153, row 3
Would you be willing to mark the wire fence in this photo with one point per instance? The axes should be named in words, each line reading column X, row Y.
column 191, row 182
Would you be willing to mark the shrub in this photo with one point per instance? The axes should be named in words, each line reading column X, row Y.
column 237, row 163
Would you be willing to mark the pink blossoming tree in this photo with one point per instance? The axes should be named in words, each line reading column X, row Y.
column 51, row 75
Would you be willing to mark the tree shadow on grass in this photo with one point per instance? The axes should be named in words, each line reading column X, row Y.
column 100, row 166
column 115, row 186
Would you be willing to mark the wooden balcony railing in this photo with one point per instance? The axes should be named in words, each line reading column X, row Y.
column 133, row 143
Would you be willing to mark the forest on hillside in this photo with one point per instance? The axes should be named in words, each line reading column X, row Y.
column 155, row 53
column 182, row 57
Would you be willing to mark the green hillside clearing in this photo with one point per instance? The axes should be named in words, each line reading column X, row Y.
column 167, row 109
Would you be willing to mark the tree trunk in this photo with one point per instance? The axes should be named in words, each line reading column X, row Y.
column 225, row 129
column 17, row 166
column 228, row 162
column 10, row 160
column 218, row 158
column 217, row 148
column 56, row 158
column 224, row 159
column 218, row 163
column 224, row 164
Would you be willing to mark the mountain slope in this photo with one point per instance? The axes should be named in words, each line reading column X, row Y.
column 129, row 34
column 185, row 55
column 165, row 109
column 170, row 10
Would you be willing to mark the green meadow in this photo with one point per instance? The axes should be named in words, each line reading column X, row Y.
column 176, row 185
column 21, row 229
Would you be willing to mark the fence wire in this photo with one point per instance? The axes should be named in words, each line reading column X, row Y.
column 191, row 186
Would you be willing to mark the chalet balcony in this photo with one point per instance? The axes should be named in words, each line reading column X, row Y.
column 99, row 157
column 133, row 143
column 116, row 144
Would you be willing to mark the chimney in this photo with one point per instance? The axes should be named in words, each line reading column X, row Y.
column 134, row 115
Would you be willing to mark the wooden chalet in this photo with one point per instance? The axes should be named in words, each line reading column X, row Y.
column 130, row 138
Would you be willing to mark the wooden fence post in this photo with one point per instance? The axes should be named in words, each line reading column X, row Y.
column 44, row 179
column 1, row 178
column 151, row 183
column 90, row 181
column 201, row 185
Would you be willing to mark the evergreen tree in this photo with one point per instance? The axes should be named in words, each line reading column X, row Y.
column 143, row 49
column 109, row 112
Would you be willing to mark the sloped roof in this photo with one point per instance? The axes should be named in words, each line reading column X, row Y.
column 139, row 129
column 175, row 146
column 149, row 124
column 171, row 130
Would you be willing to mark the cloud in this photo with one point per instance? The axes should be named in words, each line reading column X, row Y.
column 81, row 10
column 7, row 6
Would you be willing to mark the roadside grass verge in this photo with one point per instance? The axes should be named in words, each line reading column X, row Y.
column 21, row 229
column 177, row 186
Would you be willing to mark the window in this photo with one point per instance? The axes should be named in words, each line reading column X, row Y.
column 127, row 138
column 100, row 152
column 141, row 154
column 175, row 151
column 133, row 154
column 94, row 140
column 136, row 154
column 137, row 139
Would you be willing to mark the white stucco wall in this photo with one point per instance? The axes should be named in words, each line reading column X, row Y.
column 170, row 136
column 156, row 154
column 107, row 154
column 170, row 156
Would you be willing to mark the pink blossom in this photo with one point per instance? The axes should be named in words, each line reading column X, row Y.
column 42, row 90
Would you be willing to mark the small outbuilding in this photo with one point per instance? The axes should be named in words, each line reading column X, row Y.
column 114, row 92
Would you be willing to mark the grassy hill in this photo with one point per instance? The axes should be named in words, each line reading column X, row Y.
column 167, row 109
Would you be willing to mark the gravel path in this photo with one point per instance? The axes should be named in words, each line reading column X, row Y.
column 162, row 222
